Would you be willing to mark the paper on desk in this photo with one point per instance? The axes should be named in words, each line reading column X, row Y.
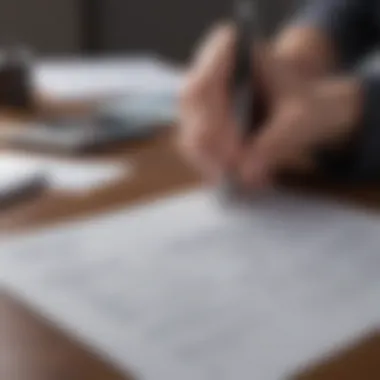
column 82, row 177
column 186, row 289
column 69, row 175
column 76, row 79
column 15, row 178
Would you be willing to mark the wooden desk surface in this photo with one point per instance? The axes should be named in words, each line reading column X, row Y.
column 32, row 349
column 156, row 170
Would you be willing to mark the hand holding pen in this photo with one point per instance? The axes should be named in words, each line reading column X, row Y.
column 219, row 112
column 222, row 138
column 246, row 91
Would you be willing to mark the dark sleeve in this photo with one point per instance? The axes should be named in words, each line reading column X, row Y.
column 362, row 161
column 351, row 26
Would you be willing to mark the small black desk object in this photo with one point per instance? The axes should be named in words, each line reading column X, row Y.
column 15, row 80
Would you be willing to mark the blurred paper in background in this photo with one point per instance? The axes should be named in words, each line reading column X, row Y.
column 66, row 175
column 79, row 78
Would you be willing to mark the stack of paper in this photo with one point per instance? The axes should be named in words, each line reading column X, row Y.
column 17, row 180
column 59, row 174
column 81, row 78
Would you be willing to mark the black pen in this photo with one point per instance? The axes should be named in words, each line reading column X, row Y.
column 243, row 78
column 244, row 87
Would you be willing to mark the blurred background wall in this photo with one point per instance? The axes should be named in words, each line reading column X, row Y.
column 50, row 26
column 170, row 27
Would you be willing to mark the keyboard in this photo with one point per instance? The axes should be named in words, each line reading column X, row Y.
column 186, row 289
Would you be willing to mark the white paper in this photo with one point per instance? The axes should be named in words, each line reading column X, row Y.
column 187, row 289
column 79, row 78
column 68, row 175
column 14, row 177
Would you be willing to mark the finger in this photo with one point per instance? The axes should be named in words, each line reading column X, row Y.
column 198, row 141
column 287, row 80
column 215, row 152
column 205, row 102
column 283, row 140
column 206, row 167
column 213, row 63
column 272, row 76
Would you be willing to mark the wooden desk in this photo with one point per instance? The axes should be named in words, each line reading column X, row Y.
column 32, row 349
column 157, row 170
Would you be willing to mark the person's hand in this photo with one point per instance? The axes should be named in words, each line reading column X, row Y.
column 302, row 115
column 311, row 116
column 207, row 127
